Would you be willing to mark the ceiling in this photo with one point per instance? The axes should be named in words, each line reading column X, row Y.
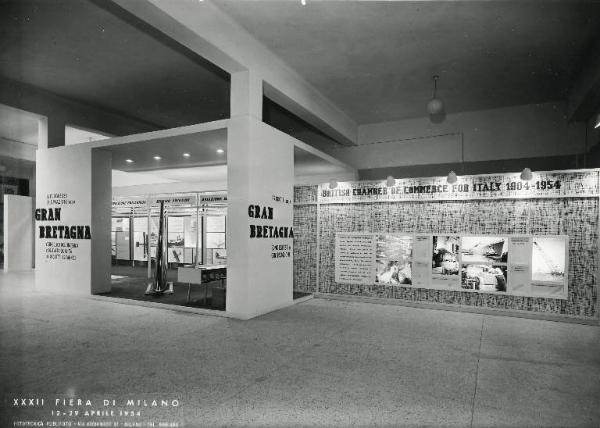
column 375, row 60
column 202, row 148
column 93, row 52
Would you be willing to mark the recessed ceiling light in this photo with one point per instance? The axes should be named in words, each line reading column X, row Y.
column 128, row 160
column 186, row 155
column 157, row 158
column 219, row 151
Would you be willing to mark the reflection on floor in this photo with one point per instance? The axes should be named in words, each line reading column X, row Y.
column 130, row 282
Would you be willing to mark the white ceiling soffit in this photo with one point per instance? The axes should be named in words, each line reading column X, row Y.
column 78, row 135
column 19, row 125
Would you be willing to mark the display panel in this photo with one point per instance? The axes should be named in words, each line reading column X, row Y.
column 215, row 223
column 463, row 263
column 215, row 240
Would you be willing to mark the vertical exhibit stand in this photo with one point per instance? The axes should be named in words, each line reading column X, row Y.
column 18, row 238
column 260, row 179
column 72, row 220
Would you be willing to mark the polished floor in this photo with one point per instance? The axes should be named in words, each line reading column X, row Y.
column 318, row 363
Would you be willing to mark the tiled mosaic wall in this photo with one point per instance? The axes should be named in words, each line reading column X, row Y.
column 575, row 217
column 305, row 239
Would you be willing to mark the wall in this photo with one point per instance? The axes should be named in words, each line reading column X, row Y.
column 18, row 227
column 317, row 226
column 528, row 131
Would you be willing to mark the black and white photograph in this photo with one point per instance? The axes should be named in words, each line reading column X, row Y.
column 299, row 213
column 444, row 260
column 393, row 258
column 484, row 249
column 484, row 277
column 548, row 265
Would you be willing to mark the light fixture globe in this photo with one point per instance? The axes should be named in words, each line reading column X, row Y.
column 526, row 174
column 451, row 178
column 435, row 106
column 333, row 183
column 390, row 181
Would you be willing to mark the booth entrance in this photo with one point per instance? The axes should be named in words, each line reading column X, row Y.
column 195, row 236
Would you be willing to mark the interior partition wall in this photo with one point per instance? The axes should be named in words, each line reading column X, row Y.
column 529, row 217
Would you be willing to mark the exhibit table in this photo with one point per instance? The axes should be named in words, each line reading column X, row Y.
column 201, row 274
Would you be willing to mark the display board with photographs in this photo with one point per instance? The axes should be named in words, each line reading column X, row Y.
column 521, row 265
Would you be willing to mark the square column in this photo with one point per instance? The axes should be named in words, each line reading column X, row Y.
column 260, row 180
column 246, row 98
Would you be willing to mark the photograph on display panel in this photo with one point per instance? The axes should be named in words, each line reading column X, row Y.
column 484, row 277
column 548, row 264
column 393, row 259
column 484, row 249
column 444, row 259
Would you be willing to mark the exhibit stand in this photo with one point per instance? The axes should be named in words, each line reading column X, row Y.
column 486, row 242
column 74, row 224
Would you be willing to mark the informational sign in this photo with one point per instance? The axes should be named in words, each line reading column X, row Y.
column 521, row 265
column 262, row 225
column 60, row 240
column 542, row 185
column 355, row 258
column 207, row 199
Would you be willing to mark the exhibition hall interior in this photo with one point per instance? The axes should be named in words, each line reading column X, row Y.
column 299, row 213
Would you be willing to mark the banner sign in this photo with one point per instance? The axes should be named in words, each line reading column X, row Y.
column 522, row 265
column 542, row 185
column 207, row 199
column 173, row 200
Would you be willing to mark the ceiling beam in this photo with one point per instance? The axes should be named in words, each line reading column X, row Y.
column 208, row 31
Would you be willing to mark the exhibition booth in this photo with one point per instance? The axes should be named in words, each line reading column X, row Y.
column 484, row 243
column 225, row 247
